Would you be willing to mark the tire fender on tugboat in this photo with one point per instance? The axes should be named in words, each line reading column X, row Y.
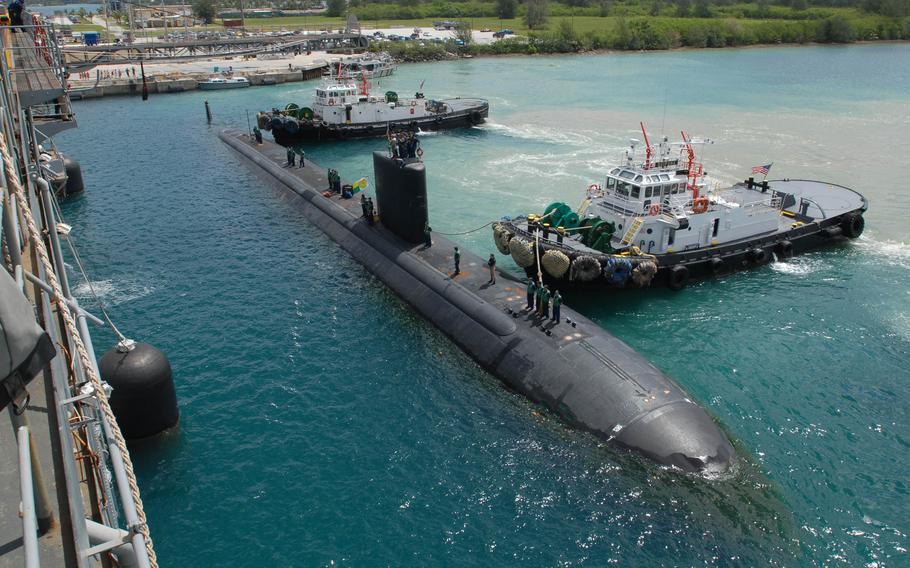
column 853, row 225
column 717, row 265
column 784, row 249
column 758, row 255
column 678, row 278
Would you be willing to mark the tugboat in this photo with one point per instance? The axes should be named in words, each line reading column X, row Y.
column 343, row 109
column 656, row 222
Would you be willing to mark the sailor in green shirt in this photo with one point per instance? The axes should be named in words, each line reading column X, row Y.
column 557, row 302
column 545, row 303
column 291, row 156
column 457, row 257
column 540, row 293
column 532, row 292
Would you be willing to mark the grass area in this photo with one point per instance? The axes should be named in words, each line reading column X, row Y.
column 85, row 28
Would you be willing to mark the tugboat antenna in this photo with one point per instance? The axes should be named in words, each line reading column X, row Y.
column 647, row 147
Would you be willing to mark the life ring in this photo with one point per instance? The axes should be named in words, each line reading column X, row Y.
column 593, row 189
column 678, row 277
column 412, row 110
column 700, row 205
column 654, row 209
column 331, row 102
column 419, row 152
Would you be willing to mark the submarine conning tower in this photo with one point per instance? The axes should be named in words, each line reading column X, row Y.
column 591, row 379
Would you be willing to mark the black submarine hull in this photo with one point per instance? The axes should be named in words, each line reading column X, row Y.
column 593, row 380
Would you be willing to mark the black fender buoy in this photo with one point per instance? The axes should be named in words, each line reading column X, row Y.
column 784, row 249
column 717, row 265
column 679, row 277
column 74, row 183
column 277, row 122
column 853, row 225
column 476, row 117
column 291, row 125
column 758, row 255
column 143, row 397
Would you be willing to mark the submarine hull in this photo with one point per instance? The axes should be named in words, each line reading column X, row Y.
column 592, row 380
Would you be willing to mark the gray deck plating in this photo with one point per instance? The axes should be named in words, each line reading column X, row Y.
column 593, row 380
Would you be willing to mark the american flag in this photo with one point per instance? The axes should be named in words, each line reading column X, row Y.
column 761, row 169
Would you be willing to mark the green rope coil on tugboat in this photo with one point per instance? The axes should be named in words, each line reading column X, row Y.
column 391, row 97
column 522, row 252
column 555, row 263
column 306, row 113
column 291, row 110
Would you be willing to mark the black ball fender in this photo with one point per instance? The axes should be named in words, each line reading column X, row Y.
column 784, row 249
column 716, row 264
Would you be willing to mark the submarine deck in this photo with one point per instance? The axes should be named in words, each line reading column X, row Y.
column 509, row 292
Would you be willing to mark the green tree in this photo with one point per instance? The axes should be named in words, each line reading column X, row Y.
column 655, row 8
column 702, row 9
column 464, row 33
column 204, row 10
column 683, row 8
column 505, row 9
column 536, row 13
column 335, row 8
column 605, row 8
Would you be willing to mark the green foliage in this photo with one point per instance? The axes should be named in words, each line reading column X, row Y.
column 204, row 10
column 535, row 13
column 335, row 8
column 505, row 9
column 836, row 29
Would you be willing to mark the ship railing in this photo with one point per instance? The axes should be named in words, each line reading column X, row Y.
column 27, row 496
column 44, row 44
column 97, row 480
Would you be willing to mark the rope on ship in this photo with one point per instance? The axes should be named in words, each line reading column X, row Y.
column 465, row 232
column 87, row 364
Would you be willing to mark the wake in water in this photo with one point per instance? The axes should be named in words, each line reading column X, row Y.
column 893, row 253
column 111, row 292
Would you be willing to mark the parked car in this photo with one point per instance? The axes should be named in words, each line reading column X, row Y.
column 486, row 30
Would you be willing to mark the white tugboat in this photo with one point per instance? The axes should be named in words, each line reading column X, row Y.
column 656, row 220
column 345, row 109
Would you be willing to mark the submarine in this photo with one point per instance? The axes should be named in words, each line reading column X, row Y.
column 575, row 368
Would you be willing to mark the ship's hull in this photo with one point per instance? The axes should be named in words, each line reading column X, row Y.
column 222, row 86
column 312, row 130
column 676, row 270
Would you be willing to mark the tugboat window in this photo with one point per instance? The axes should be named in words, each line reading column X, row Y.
column 635, row 191
column 647, row 192
column 622, row 188
column 638, row 178
column 611, row 183
column 716, row 227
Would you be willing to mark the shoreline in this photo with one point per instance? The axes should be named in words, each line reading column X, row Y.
column 171, row 79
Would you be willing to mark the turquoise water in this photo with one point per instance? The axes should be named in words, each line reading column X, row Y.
column 324, row 423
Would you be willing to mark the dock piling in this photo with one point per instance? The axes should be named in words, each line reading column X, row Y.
column 208, row 112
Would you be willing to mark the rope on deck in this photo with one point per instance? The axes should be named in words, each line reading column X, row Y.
column 88, row 366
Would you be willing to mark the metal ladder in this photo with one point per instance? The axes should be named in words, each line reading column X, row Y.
column 632, row 231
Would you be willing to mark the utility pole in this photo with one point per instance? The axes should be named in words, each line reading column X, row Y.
column 242, row 18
